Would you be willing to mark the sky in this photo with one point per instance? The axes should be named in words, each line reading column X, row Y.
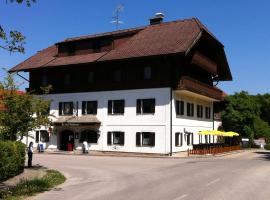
column 243, row 26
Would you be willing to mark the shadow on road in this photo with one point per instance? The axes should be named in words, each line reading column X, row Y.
column 264, row 154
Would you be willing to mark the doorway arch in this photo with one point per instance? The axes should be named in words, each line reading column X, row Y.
column 67, row 140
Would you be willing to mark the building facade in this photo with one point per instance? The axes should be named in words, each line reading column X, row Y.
column 146, row 90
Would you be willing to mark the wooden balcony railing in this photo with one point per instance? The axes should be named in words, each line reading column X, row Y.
column 192, row 85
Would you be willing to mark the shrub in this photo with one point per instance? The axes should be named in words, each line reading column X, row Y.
column 12, row 160
column 267, row 146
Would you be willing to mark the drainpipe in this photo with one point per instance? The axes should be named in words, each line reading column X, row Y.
column 171, row 121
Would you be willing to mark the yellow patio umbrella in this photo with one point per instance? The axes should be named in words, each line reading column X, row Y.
column 231, row 134
column 205, row 132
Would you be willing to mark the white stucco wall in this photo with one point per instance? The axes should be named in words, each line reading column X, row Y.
column 130, row 122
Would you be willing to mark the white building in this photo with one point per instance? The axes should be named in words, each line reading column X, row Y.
column 147, row 89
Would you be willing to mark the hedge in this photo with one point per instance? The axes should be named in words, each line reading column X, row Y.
column 267, row 146
column 12, row 158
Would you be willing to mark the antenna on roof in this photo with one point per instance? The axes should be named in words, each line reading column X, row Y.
column 116, row 16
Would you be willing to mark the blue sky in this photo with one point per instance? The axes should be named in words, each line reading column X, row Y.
column 243, row 26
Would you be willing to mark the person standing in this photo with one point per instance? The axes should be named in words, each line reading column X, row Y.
column 30, row 154
column 85, row 147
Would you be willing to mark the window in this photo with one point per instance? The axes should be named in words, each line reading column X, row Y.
column 147, row 73
column 90, row 77
column 117, row 75
column 71, row 50
column 44, row 80
column 207, row 112
column 116, row 107
column 180, row 107
column 190, row 109
column 44, row 136
column 145, row 139
column 146, row 106
column 116, row 138
column 178, row 139
column 89, row 136
column 199, row 111
column 96, row 46
column 65, row 108
column 67, row 79
column 89, row 107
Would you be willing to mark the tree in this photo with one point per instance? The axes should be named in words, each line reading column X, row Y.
column 240, row 114
column 264, row 102
column 14, row 41
column 20, row 113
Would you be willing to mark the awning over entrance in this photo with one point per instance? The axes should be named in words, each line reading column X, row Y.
column 75, row 120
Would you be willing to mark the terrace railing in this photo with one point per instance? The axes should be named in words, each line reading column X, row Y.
column 212, row 150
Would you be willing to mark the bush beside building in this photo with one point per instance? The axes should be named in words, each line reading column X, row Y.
column 12, row 160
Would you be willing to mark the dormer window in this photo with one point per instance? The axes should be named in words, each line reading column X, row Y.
column 96, row 46
column 71, row 49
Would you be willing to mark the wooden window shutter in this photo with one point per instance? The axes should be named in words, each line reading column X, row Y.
column 181, row 137
column 96, row 105
column 110, row 106
column 83, row 107
column 153, row 106
column 152, row 136
column 37, row 136
column 176, row 139
column 122, row 107
column 177, row 107
column 122, row 138
column 182, row 107
column 139, row 106
column 60, row 110
column 109, row 138
column 138, row 139
column 72, row 108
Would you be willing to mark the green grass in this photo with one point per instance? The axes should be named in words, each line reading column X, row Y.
column 30, row 187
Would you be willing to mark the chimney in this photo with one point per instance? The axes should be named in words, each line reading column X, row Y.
column 157, row 19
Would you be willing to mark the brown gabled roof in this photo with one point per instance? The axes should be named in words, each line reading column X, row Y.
column 165, row 38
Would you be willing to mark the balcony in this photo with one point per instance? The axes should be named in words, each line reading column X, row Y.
column 194, row 86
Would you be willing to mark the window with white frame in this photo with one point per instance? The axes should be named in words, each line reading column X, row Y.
column 146, row 106
column 180, row 107
column 90, row 136
column 145, row 139
column 116, row 138
column 89, row 107
column 116, row 107
column 178, row 139
column 42, row 136
column 66, row 108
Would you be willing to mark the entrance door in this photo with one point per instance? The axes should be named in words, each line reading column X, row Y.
column 67, row 140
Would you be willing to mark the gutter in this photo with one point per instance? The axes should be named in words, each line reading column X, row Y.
column 170, row 121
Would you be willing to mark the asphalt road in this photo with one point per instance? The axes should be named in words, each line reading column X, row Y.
column 241, row 176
